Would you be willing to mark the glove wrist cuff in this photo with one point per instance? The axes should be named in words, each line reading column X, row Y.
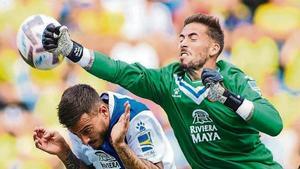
column 233, row 101
column 87, row 59
column 241, row 106
column 76, row 52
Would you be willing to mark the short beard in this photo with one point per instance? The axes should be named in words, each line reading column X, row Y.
column 192, row 67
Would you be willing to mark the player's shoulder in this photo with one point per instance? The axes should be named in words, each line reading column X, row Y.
column 233, row 76
column 117, row 95
column 144, row 114
column 172, row 67
column 76, row 142
column 227, row 68
column 170, row 70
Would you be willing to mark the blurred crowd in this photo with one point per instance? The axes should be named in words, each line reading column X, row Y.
column 262, row 37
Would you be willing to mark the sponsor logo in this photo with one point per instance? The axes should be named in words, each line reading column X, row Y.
column 105, row 161
column 203, row 128
column 176, row 92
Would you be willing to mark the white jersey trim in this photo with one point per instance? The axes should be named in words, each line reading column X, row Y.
column 196, row 99
column 159, row 148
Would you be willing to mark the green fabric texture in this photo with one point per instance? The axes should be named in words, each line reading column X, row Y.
column 210, row 135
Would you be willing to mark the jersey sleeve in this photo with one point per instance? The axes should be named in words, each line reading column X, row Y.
column 145, row 138
column 134, row 77
column 265, row 117
column 77, row 149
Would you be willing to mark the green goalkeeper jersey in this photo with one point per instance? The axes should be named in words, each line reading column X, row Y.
column 210, row 134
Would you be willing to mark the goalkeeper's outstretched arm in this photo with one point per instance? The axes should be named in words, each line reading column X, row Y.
column 133, row 77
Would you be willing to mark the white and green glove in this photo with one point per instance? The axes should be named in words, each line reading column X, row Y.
column 57, row 41
column 212, row 80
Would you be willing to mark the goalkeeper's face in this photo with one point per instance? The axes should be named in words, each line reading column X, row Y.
column 92, row 127
column 195, row 46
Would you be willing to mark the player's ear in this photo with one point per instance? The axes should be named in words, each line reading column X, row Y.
column 214, row 49
column 103, row 110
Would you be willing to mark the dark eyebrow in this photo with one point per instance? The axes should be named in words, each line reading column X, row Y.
column 181, row 36
column 192, row 34
column 189, row 35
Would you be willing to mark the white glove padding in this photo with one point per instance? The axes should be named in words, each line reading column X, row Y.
column 216, row 93
column 65, row 44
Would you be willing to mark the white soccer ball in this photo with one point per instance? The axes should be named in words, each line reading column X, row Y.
column 29, row 43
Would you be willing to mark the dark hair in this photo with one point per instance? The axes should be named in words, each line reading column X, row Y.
column 75, row 101
column 214, row 29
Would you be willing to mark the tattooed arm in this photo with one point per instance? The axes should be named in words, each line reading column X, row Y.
column 130, row 160
column 53, row 143
column 128, row 157
column 71, row 161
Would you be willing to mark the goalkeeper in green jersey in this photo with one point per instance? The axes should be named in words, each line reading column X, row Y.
column 215, row 109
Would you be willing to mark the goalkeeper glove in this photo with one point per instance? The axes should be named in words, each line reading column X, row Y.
column 212, row 79
column 57, row 41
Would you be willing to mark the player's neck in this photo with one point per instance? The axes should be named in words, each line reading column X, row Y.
column 195, row 74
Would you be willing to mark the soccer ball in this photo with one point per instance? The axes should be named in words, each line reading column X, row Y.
column 29, row 43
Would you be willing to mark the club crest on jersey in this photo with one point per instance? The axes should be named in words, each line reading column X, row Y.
column 144, row 138
column 105, row 160
column 200, row 117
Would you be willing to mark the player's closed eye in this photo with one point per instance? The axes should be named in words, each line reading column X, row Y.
column 181, row 38
column 87, row 131
column 194, row 37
